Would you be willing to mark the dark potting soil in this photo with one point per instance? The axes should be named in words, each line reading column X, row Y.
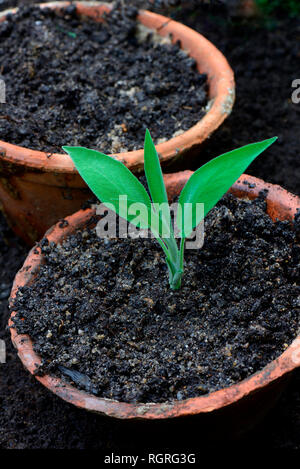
column 102, row 313
column 77, row 82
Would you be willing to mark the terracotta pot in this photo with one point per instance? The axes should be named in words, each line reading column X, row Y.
column 37, row 189
column 237, row 407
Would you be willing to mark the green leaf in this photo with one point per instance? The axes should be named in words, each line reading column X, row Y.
column 155, row 181
column 109, row 179
column 153, row 172
column 210, row 182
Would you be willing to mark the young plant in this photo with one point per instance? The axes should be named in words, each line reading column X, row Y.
column 115, row 185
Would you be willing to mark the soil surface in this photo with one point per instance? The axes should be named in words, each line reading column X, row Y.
column 30, row 416
column 102, row 313
column 100, row 85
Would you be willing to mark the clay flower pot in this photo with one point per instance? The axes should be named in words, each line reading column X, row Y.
column 236, row 407
column 36, row 189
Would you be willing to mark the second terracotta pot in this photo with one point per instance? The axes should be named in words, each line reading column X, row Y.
column 230, row 410
column 37, row 189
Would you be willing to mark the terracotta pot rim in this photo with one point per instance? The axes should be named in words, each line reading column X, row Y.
column 246, row 186
column 221, row 95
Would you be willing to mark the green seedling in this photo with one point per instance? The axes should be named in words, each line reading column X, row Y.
column 116, row 187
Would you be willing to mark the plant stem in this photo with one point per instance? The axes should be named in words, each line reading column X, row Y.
column 174, row 258
column 175, row 265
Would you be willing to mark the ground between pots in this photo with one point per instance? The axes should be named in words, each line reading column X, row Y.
column 30, row 416
column 263, row 55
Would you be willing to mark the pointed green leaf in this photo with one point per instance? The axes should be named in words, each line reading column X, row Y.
column 153, row 172
column 210, row 182
column 155, row 181
column 109, row 179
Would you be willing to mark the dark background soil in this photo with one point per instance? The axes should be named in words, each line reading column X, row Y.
column 264, row 58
